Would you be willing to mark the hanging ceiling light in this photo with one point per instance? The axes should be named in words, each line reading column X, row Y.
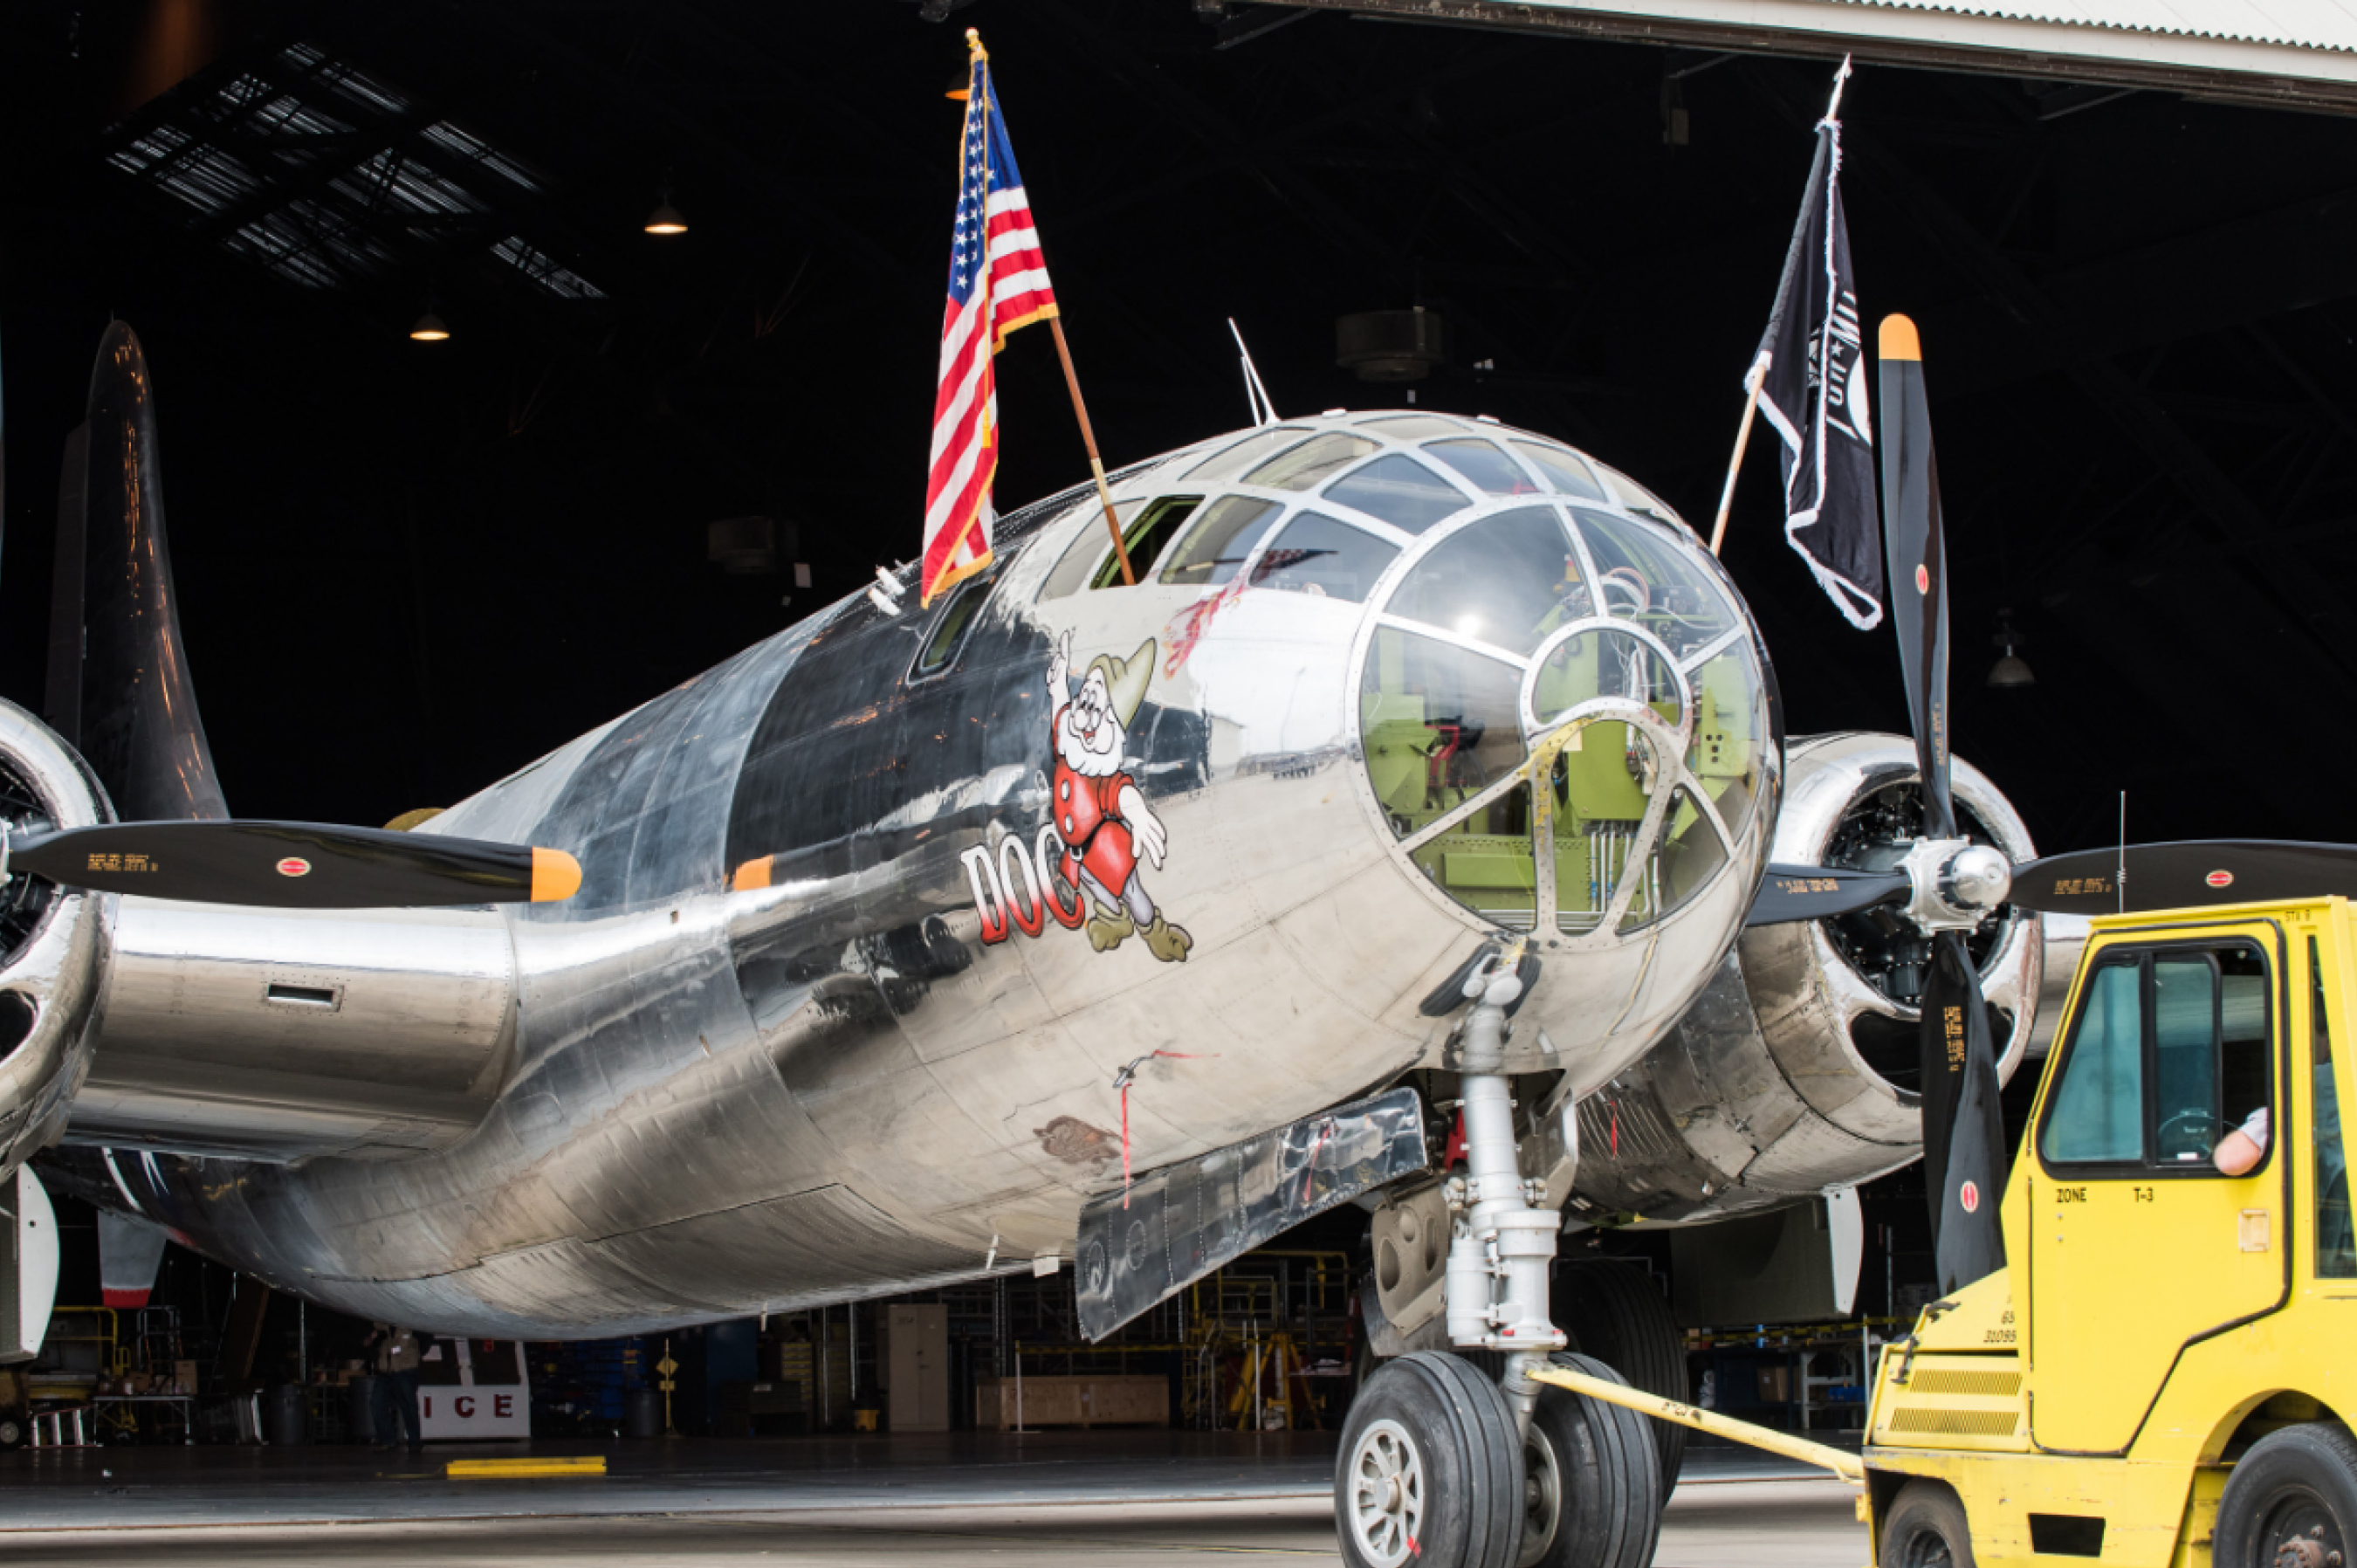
column 428, row 328
column 665, row 218
column 2010, row 670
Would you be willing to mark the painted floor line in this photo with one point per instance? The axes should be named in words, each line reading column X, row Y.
column 647, row 1511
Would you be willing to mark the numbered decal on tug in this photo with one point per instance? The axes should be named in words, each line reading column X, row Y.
column 1083, row 865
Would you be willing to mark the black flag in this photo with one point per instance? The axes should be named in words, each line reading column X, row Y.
column 1813, row 389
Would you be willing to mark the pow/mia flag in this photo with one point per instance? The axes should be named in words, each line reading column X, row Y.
column 1813, row 390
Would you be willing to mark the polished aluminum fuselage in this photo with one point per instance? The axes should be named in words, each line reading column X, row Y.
column 722, row 1091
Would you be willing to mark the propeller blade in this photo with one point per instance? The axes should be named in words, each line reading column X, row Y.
column 1821, row 892
column 1918, row 584
column 295, row 865
column 1964, row 1127
column 2185, row 875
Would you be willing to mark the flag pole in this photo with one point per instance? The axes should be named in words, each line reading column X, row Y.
column 1742, row 439
column 1088, row 440
column 1072, row 377
column 1759, row 373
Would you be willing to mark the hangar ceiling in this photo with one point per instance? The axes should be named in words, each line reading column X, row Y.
column 405, row 569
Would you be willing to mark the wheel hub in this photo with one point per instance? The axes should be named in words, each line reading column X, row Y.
column 1542, row 1500
column 2301, row 1541
column 1387, row 1494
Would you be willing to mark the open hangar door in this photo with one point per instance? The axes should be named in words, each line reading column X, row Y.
column 2134, row 299
column 2129, row 275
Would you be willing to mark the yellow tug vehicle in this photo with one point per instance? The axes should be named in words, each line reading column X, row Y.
column 2158, row 1375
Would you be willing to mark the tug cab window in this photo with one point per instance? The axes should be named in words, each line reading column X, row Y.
column 2168, row 1057
column 2336, row 1245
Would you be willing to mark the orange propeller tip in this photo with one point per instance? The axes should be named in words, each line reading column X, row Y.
column 1898, row 341
column 751, row 876
column 555, row 875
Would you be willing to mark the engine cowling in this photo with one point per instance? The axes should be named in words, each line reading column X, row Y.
column 1795, row 1071
column 52, row 942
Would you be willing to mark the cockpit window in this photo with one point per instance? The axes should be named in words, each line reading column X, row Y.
column 1318, row 555
column 1216, row 548
column 1644, row 575
column 1303, row 466
column 949, row 628
column 1637, row 498
column 1400, row 490
column 1079, row 556
column 1440, row 727
column 1230, row 461
column 1507, row 580
column 1642, row 749
column 1603, row 662
column 1490, row 470
column 1145, row 540
column 1564, row 469
column 1414, row 426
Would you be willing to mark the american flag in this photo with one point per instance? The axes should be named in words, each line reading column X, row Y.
column 998, row 281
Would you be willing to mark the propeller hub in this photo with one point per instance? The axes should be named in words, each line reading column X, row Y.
column 1978, row 878
column 1956, row 883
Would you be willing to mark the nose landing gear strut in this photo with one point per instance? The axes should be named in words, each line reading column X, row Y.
column 1446, row 1467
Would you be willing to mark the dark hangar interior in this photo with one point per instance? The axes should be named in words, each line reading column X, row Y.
column 408, row 568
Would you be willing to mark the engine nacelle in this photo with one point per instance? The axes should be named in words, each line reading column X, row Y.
column 1795, row 1071
column 52, row 944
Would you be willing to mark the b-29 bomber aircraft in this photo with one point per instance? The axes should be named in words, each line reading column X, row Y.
column 1414, row 795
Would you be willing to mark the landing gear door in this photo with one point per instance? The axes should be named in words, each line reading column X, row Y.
column 2155, row 1192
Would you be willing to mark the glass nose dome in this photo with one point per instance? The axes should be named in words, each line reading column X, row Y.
column 1564, row 717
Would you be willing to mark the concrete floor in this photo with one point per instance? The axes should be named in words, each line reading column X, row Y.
column 1099, row 1498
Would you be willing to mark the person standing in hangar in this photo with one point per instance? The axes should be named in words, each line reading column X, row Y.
column 397, row 1360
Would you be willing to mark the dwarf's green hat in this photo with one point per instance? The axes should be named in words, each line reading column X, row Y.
column 1125, row 678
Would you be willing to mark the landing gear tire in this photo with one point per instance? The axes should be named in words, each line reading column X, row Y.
column 2291, row 1500
column 1925, row 1529
column 12, row 1433
column 1613, row 1312
column 1592, row 1489
column 1430, row 1471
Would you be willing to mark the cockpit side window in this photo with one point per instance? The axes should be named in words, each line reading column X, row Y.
column 1318, row 555
column 1146, row 539
column 1088, row 561
column 948, row 636
column 1222, row 541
